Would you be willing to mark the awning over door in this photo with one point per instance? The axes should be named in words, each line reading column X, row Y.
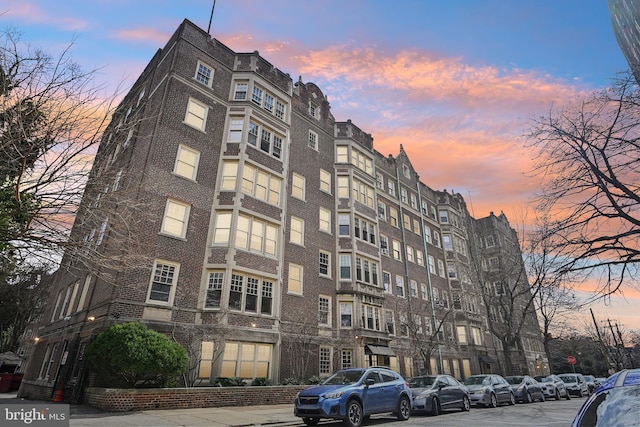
column 378, row 350
column 486, row 359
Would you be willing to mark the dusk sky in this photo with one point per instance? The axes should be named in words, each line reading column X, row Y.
column 455, row 82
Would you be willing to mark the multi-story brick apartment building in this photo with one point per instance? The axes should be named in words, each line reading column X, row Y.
column 228, row 208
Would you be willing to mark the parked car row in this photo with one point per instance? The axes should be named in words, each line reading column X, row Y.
column 353, row 395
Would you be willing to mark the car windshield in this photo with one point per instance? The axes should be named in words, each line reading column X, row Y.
column 514, row 380
column 569, row 379
column 421, row 382
column 616, row 407
column 477, row 381
column 589, row 378
column 345, row 377
column 547, row 380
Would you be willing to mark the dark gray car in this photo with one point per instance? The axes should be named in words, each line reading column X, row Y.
column 435, row 393
column 489, row 390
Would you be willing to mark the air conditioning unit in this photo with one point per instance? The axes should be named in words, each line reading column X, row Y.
column 384, row 251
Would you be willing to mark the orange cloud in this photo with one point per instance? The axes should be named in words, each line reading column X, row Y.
column 145, row 35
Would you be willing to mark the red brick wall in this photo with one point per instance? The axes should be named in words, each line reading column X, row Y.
column 121, row 400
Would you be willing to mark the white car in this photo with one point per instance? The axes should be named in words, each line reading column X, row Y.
column 576, row 384
column 553, row 387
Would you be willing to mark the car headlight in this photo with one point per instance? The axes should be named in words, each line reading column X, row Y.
column 334, row 395
column 521, row 389
column 424, row 394
column 485, row 390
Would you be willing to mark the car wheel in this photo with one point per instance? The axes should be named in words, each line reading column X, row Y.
column 435, row 407
column 542, row 397
column 354, row 414
column 568, row 396
column 311, row 421
column 466, row 404
column 494, row 401
column 404, row 409
column 557, row 395
column 528, row 398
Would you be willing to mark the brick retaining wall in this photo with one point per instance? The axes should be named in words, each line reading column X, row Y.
column 122, row 400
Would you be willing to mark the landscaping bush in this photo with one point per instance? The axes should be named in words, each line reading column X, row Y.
column 132, row 355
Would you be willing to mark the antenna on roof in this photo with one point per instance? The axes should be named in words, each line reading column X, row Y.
column 211, row 17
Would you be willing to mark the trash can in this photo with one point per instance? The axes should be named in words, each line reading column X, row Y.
column 5, row 382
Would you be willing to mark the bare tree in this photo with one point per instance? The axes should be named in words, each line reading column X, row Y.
column 589, row 161
column 52, row 116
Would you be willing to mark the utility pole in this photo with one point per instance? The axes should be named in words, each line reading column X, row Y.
column 603, row 348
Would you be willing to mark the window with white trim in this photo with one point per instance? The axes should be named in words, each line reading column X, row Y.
column 452, row 270
column 419, row 257
column 346, row 314
column 411, row 256
column 236, row 127
column 229, row 175
column 246, row 360
column 298, row 186
column 250, row 294
column 294, row 284
column 325, row 361
column 222, row 228
column 371, row 318
column 414, row 288
column 397, row 252
column 362, row 161
column 382, row 211
column 204, row 74
column 391, row 324
column 313, row 140
column 393, row 217
column 391, row 187
column 324, row 310
column 432, row 264
column 325, row 181
column 261, row 184
column 403, row 195
column 344, row 225
column 345, row 266
column 163, row 282
column 196, row 115
column 441, row 268
column 240, row 93
column 256, row 235
column 446, row 242
column 187, row 160
column 366, row 271
column 364, row 230
column 265, row 139
column 384, row 245
column 206, row 359
column 325, row 263
column 399, row 286
column 444, row 217
column 325, row 220
column 462, row 334
column 386, row 281
column 423, row 292
column 256, row 96
column 347, row 359
column 362, row 192
column 296, row 231
column 342, row 154
column 175, row 219
column 379, row 181
column 215, row 284
column 413, row 200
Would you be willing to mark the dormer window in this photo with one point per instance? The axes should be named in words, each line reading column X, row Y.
column 204, row 74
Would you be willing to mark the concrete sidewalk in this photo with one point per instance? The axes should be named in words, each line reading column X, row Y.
column 234, row 416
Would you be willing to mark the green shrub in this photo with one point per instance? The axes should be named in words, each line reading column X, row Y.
column 292, row 381
column 229, row 382
column 132, row 355
column 261, row 381
column 315, row 380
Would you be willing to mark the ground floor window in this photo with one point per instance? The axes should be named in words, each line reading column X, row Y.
column 325, row 361
column 246, row 360
column 206, row 359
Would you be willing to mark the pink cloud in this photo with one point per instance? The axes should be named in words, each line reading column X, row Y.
column 145, row 35
column 29, row 12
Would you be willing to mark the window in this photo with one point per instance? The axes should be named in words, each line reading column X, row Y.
column 364, row 230
column 462, row 334
column 342, row 154
column 214, row 289
column 255, row 235
column 296, row 232
column 343, row 225
column 432, row 264
column 411, row 257
column 343, row 186
column 235, row 130
column 406, row 221
column 246, row 360
column 384, row 245
column 280, row 110
column 325, row 361
column 83, row 294
column 405, row 171
column 313, row 110
column 361, row 161
column 476, row 334
column 399, row 286
column 196, row 115
column 325, row 181
column 362, row 192
column 324, row 310
column 229, row 175
column 266, row 139
column 345, row 267
column 222, row 230
column 268, row 102
column 391, row 328
column 249, row 294
column 116, row 181
column 386, row 281
column 294, row 285
column 419, row 257
column 206, row 359
column 186, row 164
column 403, row 195
column 423, row 292
column 452, row 270
column 325, row 220
column 391, row 187
column 371, row 317
column 494, row 263
column 258, row 183
column 490, row 241
column 49, row 357
column 499, row 288
column 240, row 93
column 163, row 282
column 176, row 217
column 103, row 231
column 346, row 314
column 204, row 74
column 393, row 217
column 313, row 140
column 456, row 301
column 397, row 254
column 379, row 181
column 413, row 201
column 325, row 264
column 440, row 268
column 366, row 271
column 347, row 359
column 382, row 211
column 446, row 242
column 298, row 186
column 414, row 288
column 444, row 217
column 256, row 96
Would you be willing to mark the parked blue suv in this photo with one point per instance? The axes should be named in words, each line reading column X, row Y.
column 352, row 395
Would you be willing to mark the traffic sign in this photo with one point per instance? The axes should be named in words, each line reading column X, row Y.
column 571, row 360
